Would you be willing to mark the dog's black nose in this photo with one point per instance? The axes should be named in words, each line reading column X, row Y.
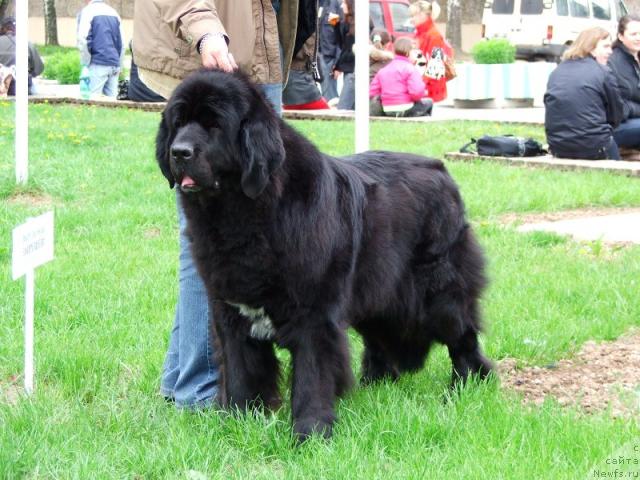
column 181, row 152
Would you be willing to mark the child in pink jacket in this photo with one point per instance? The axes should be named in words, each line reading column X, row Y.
column 400, row 85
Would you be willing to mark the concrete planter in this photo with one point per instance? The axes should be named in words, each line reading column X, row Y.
column 509, row 85
column 475, row 103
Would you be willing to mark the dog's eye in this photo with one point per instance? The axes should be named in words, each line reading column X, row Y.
column 208, row 122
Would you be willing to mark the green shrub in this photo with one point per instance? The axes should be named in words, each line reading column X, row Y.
column 496, row 50
column 63, row 67
column 48, row 50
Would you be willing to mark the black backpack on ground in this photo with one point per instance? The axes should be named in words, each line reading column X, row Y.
column 504, row 146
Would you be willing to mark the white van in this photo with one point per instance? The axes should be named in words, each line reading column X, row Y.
column 542, row 29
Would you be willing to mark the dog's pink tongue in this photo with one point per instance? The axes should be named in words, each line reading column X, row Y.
column 187, row 181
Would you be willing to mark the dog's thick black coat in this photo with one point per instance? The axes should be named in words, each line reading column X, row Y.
column 294, row 246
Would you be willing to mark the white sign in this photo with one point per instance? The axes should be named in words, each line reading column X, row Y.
column 32, row 244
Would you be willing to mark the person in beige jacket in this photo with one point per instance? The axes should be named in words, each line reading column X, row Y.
column 172, row 38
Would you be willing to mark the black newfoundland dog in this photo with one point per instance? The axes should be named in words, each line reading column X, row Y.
column 295, row 246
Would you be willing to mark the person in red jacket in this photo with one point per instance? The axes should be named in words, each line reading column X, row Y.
column 429, row 38
column 400, row 86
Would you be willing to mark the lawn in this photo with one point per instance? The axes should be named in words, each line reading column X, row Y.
column 104, row 308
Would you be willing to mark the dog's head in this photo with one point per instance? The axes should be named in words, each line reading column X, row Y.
column 219, row 131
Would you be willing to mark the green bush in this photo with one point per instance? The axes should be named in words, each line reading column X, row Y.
column 495, row 50
column 63, row 67
column 48, row 50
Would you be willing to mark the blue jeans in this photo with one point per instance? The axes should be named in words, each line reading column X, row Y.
column 329, row 84
column 103, row 80
column 612, row 150
column 190, row 374
column 627, row 135
column 348, row 94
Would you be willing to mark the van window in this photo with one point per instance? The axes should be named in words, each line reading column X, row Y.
column 562, row 8
column 502, row 7
column 579, row 8
column 531, row 7
column 622, row 10
column 601, row 9
column 375, row 12
column 400, row 17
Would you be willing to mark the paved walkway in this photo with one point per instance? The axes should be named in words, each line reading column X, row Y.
column 621, row 167
column 531, row 116
column 441, row 111
column 623, row 227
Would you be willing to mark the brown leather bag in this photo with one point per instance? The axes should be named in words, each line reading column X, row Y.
column 449, row 69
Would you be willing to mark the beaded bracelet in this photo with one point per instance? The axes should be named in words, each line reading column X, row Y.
column 205, row 38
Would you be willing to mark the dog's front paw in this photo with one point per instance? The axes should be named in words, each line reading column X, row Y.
column 303, row 428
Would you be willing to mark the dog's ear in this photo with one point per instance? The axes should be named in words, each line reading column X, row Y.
column 262, row 151
column 163, row 146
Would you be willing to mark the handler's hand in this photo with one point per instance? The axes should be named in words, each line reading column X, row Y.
column 215, row 54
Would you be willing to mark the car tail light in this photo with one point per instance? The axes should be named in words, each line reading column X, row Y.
column 549, row 32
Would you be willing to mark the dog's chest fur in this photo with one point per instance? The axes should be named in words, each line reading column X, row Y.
column 261, row 325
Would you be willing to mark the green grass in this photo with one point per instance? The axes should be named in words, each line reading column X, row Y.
column 104, row 308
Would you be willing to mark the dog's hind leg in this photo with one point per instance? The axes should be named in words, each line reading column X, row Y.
column 467, row 358
column 391, row 351
column 456, row 325
column 321, row 372
column 249, row 369
column 376, row 363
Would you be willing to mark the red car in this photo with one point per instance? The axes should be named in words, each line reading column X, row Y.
column 393, row 16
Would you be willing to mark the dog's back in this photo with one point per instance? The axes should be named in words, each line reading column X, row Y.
column 414, row 197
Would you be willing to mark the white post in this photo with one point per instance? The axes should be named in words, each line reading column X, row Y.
column 22, row 93
column 28, row 330
column 362, row 75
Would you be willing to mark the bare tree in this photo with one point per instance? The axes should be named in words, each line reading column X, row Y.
column 4, row 4
column 458, row 13
column 50, row 23
column 472, row 11
column 454, row 24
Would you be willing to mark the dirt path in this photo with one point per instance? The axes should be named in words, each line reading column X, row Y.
column 564, row 214
column 600, row 375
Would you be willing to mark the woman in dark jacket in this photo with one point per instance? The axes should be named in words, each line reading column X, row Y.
column 583, row 104
column 625, row 64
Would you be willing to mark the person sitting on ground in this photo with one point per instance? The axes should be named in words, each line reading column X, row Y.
column 8, row 54
column 625, row 64
column 380, row 51
column 400, row 85
column 301, row 91
column 137, row 91
column 583, row 104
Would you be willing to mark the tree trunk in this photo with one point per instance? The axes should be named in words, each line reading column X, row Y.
column 4, row 4
column 454, row 24
column 50, row 23
column 472, row 11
